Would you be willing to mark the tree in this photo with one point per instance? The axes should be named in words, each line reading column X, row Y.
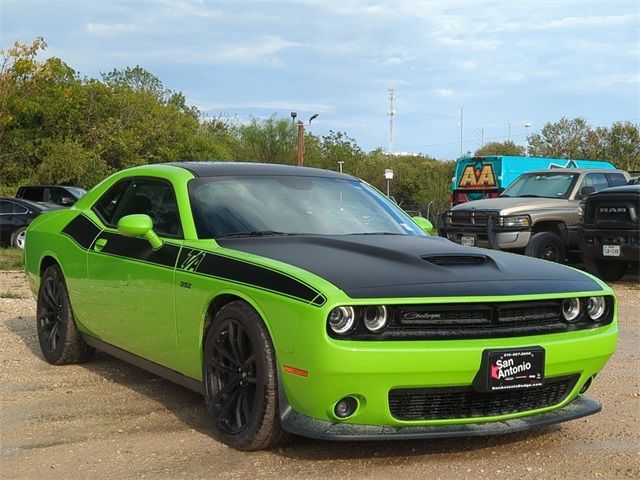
column 500, row 148
column 270, row 141
column 562, row 139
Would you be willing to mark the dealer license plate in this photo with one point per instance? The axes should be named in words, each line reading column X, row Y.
column 611, row 250
column 514, row 369
column 468, row 241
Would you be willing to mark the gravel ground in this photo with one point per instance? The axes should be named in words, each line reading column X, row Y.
column 107, row 419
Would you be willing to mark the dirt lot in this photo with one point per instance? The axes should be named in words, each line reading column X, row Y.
column 107, row 419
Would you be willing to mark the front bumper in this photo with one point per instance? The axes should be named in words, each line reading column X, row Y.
column 592, row 240
column 299, row 424
column 486, row 236
column 369, row 371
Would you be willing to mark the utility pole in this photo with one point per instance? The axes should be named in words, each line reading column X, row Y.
column 481, row 135
column 300, row 146
column 461, row 118
column 391, row 113
column 509, row 134
column 527, row 126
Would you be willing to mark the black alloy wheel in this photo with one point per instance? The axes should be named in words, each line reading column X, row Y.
column 232, row 377
column 60, row 341
column 240, row 379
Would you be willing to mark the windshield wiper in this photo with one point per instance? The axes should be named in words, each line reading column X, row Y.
column 529, row 196
column 257, row 233
column 376, row 233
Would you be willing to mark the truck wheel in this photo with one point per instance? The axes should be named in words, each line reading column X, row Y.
column 608, row 270
column 546, row 245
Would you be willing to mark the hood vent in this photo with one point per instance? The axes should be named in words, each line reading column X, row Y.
column 455, row 260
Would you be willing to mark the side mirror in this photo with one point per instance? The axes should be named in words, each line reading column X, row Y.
column 66, row 201
column 139, row 225
column 587, row 190
column 423, row 223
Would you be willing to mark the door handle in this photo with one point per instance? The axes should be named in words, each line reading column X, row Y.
column 99, row 245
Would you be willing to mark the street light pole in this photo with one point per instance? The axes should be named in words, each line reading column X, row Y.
column 340, row 163
column 388, row 174
column 527, row 126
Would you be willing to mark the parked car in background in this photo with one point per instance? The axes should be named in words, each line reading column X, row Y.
column 476, row 178
column 610, row 234
column 15, row 216
column 537, row 214
column 59, row 194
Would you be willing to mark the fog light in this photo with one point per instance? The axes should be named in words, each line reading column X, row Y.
column 342, row 319
column 596, row 307
column 375, row 318
column 586, row 385
column 571, row 309
column 345, row 407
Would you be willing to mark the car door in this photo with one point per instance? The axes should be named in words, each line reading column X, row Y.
column 12, row 217
column 132, row 284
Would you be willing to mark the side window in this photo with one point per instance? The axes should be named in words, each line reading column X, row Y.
column 616, row 179
column 8, row 208
column 596, row 180
column 156, row 199
column 55, row 195
column 35, row 194
column 106, row 207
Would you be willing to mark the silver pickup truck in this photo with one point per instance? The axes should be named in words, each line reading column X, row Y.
column 536, row 215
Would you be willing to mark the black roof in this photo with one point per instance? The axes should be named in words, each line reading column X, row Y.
column 620, row 189
column 219, row 169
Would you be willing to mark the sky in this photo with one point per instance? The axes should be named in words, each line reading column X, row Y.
column 513, row 62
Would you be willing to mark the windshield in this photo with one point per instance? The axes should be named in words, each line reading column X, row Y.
column 547, row 185
column 77, row 191
column 271, row 205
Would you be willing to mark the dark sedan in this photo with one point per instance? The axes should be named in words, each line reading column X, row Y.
column 15, row 216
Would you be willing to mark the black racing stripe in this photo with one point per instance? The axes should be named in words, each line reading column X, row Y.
column 240, row 271
column 139, row 249
column 82, row 230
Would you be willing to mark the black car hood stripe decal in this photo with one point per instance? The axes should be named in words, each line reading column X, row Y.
column 370, row 266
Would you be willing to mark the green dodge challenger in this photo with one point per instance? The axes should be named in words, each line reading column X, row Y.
column 303, row 301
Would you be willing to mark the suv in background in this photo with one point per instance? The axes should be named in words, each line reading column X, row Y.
column 537, row 214
column 58, row 194
column 610, row 234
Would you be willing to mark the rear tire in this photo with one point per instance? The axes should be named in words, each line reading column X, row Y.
column 240, row 377
column 547, row 246
column 608, row 270
column 60, row 341
column 18, row 238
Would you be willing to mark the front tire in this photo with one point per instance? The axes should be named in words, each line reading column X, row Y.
column 60, row 341
column 547, row 246
column 608, row 270
column 240, row 376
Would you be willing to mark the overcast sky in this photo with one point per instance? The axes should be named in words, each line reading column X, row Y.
column 506, row 62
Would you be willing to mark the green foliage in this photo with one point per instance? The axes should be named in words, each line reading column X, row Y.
column 269, row 141
column 618, row 144
column 500, row 148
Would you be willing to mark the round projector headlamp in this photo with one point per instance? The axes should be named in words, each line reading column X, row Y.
column 571, row 309
column 342, row 319
column 596, row 307
column 375, row 318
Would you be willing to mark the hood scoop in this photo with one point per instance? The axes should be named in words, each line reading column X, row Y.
column 455, row 260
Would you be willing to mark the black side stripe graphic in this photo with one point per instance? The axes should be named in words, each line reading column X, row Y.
column 82, row 231
column 139, row 249
column 85, row 233
column 235, row 270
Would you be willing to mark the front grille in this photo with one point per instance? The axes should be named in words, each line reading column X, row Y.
column 463, row 218
column 464, row 402
column 447, row 260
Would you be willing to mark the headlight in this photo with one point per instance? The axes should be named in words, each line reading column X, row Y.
column 581, row 206
column 375, row 318
column 571, row 309
column 342, row 319
column 515, row 221
column 596, row 307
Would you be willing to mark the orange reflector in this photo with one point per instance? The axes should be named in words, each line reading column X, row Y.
column 295, row 371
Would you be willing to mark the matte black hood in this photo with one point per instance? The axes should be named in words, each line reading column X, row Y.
column 409, row 266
